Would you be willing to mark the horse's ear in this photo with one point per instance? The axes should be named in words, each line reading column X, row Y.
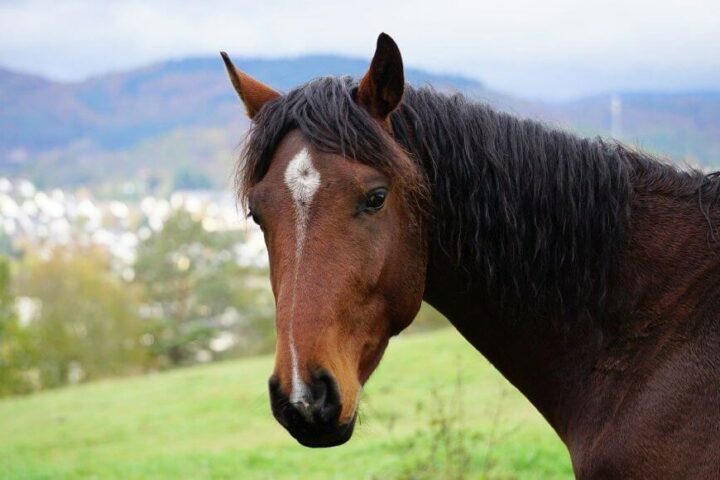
column 254, row 94
column 381, row 89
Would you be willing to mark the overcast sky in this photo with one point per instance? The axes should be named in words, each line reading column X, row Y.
column 534, row 48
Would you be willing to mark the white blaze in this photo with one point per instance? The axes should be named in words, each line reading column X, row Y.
column 303, row 181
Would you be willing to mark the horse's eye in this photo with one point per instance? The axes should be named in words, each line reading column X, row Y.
column 375, row 200
column 255, row 217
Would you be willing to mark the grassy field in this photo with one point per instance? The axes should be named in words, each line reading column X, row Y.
column 434, row 409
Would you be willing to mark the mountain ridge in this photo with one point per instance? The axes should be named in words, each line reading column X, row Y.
column 63, row 130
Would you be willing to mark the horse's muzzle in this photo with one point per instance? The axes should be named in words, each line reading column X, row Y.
column 313, row 420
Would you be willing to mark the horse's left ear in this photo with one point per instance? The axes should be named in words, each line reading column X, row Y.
column 381, row 89
column 254, row 94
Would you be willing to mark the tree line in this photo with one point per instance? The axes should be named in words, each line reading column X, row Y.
column 71, row 314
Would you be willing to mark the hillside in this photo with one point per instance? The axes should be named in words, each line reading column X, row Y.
column 170, row 118
column 180, row 118
column 682, row 126
column 214, row 422
column 122, row 109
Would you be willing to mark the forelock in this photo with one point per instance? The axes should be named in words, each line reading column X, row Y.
column 325, row 112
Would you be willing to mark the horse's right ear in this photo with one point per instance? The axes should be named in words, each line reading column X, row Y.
column 254, row 94
column 381, row 89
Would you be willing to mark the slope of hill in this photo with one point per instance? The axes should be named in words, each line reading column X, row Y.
column 119, row 110
column 155, row 120
column 214, row 422
column 184, row 115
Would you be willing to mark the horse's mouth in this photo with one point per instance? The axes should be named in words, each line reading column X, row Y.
column 323, row 436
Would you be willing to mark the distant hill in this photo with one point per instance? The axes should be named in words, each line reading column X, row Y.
column 182, row 116
column 118, row 110
column 681, row 126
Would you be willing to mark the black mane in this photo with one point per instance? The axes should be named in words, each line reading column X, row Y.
column 536, row 214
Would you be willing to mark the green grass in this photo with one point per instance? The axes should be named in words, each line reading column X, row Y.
column 214, row 421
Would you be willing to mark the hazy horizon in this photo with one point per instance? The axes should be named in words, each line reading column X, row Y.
column 499, row 89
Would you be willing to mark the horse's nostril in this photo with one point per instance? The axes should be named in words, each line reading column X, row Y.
column 319, row 390
column 274, row 383
column 326, row 396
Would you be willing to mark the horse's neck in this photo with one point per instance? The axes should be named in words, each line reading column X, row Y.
column 541, row 357
column 575, row 371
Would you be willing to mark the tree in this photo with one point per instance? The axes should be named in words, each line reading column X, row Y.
column 88, row 324
column 203, row 302
column 17, row 355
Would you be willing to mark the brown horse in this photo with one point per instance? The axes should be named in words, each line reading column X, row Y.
column 585, row 271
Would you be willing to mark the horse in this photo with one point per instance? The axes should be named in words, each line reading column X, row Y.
column 584, row 270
